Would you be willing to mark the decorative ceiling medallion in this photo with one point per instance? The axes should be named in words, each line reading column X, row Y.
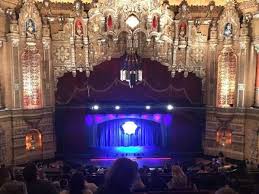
column 132, row 21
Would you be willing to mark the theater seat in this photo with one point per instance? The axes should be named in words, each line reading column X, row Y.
column 174, row 192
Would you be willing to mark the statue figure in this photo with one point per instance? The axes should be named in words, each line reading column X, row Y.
column 183, row 11
column 77, row 6
column 228, row 30
column 79, row 28
column 182, row 33
column 30, row 28
column 213, row 30
column 211, row 8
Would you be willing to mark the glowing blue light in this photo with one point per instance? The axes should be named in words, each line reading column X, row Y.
column 129, row 127
column 129, row 149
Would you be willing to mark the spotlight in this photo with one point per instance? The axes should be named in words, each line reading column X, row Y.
column 170, row 107
column 117, row 107
column 148, row 107
column 95, row 107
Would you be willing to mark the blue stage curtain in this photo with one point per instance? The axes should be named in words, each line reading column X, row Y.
column 110, row 133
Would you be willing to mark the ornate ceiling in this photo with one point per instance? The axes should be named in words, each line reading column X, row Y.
column 172, row 2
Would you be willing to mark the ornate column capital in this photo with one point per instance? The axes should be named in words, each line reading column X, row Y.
column 257, row 48
column 2, row 40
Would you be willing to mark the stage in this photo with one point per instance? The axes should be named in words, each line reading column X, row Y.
column 150, row 162
column 153, row 157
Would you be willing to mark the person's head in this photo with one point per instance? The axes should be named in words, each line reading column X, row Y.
column 13, row 188
column 221, row 155
column 30, row 172
column 202, row 167
column 77, row 184
column 63, row 183
column 4, row 175
column 122, row 174
column 177, row 171
column 225, row 190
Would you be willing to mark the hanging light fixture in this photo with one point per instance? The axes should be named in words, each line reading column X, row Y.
column 131, row 67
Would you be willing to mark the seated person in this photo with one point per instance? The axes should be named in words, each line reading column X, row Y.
column 221, row 159
column 179, row 179
column 34, row 185
column 120, row 178
column 202, row 170
column 157, row 182
column 225, row 190
column 7, row 186
column 77, row 185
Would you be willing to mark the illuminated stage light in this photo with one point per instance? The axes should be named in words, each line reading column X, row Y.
column 129, row 127
column 117, row 107
column 170, row 107
column 148, row 107
column 129, row 149
column 95, row 107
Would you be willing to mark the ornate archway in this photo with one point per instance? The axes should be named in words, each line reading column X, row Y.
column 33, row 140
column 157, row 33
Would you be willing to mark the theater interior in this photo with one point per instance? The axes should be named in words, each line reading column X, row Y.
column 162, row 83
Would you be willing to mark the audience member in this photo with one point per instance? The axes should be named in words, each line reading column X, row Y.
column 138, row 184
column 35, row 186
column 157, row 183
column 120, row 177
column 13, row 187
column 7, row 186
column 77, row 185
column 91, row 186
column 63, row 186
column 179, row 179
column 202, row 170
column 225, row 190
column 4, row 175
column 221, row 159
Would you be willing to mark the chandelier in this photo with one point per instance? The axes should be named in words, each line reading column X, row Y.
column 131, row 68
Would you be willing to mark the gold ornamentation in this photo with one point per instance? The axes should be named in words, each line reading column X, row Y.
column 62, row 55
column 30, row 24
column 229, row 22
column 227, row 70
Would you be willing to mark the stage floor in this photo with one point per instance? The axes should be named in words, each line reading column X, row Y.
column 150, row 162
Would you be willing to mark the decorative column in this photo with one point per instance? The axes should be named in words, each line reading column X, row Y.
column 14, row 96
column 211, row 72
column 72, row 68
column 88, row 68
column 189, row 47
column 175, row 48
column 257, row 77
column 48, row 99
column 243, row 62
column 2, row 40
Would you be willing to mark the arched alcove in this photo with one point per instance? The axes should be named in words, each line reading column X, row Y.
column 33, row 140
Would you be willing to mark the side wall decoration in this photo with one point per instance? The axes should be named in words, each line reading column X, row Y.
column 31, row 31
